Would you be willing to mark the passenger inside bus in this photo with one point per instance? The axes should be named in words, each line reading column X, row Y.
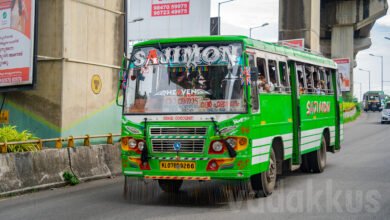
column 301, row 82
column 272, row 75
column 301, row 89
column 261, row 82
column 309, row 80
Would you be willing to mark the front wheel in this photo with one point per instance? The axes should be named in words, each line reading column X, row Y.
column 315, row 161
column 264, row 183
column 170, row 186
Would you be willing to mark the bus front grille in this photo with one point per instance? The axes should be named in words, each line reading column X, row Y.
column 178, row 131
column 187, row 145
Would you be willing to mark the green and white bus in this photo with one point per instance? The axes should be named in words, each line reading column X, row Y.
column 227, row 107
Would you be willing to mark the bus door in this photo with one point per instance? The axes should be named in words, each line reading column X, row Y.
column 298, row 81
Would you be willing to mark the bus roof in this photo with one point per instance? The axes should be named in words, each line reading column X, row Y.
column 374, row 93
column 290, row 53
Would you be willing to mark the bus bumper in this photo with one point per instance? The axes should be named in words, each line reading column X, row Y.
column 238, row 168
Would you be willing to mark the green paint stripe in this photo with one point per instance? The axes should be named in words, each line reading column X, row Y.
column 80, row 120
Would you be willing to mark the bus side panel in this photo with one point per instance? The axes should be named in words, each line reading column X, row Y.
column 318, row 112
column 274, row 121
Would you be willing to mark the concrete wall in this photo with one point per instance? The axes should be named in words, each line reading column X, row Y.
column 93, row 35
column 28, row 109
column 33, row 170
column 78, row 39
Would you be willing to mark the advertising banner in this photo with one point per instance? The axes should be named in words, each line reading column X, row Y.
column 294, row 43
column 151, row 19
column 17, row 20
column 170, row 8
column 344, row 69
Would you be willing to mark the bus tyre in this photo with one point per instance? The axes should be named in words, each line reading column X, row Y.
column 263, row 184
column 170, row 186
column 315, row 162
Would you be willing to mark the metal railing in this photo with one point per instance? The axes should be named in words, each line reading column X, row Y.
column 59, row 141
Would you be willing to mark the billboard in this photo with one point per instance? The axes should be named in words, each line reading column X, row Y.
column 150, row 19
column 294, row 43
column 17, row 44
column 344, row 69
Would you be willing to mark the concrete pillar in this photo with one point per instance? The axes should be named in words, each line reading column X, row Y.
column 300, row 19
column 342, row 45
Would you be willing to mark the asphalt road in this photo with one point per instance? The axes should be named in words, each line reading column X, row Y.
column 355, row 185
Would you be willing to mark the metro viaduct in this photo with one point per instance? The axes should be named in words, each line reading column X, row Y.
column 336, row 28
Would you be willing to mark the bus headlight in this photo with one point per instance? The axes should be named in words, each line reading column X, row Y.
column 132, row 143
column 141, row 145
column 217, row 146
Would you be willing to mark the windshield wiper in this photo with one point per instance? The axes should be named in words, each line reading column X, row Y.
column 232, row 152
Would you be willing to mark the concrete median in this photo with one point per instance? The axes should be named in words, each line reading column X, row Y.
column 28, row 171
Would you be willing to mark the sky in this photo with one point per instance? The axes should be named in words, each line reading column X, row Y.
column 239, row 15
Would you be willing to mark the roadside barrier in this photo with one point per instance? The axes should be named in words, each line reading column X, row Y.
column 59, row 141
column 28, row 171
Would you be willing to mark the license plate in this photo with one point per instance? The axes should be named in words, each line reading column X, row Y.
column 177, row 165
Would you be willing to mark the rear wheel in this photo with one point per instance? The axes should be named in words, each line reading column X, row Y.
column 170, row 186
column 315, row 162
column 264, row 183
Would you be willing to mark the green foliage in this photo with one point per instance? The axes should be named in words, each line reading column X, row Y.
column 10, row 134
column 70, row 178
column 348, row 106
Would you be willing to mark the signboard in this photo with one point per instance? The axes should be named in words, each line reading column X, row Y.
column 151, row 19
column 17, row 44
column 344, row 69
column 4, row 117
column 214, row 23
column 294, row 43
column 170, row 8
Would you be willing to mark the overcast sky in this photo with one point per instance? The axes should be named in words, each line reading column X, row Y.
column 238, row 16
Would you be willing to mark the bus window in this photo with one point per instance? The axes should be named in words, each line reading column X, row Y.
column 301, row 79
column 309, row 79
column 255, row 81
column 284, row 77
column 273, row 77
column 329, row 81
column 318, row 84
column 323, row 82
column 262, row 77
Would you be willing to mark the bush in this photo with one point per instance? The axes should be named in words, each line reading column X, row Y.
column 70, row 178
column 10, row 134
column 348, row 106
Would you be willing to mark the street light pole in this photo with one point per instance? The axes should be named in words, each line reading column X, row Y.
column 387, row 38
column 219, row 15
column 381, row 67
column 250, row 29
column 369, row 78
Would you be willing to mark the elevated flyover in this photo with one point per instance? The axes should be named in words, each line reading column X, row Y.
column 336, row 28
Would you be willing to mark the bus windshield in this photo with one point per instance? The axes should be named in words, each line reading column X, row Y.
column 188, row 79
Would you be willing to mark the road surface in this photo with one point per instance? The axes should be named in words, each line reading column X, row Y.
column 355, row 185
